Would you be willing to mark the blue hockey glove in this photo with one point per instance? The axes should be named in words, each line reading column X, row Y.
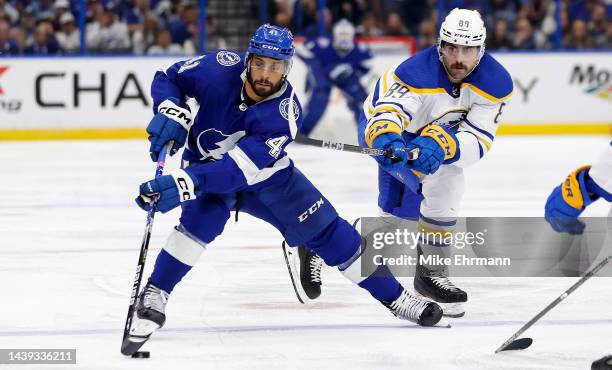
column 171, row 123
column 168, row 190
column 396, row 147
column 341, row 73
column 567, row 201
column 436, row 146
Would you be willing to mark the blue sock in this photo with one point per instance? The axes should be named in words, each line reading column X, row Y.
column 168, row 271
column 382, row 285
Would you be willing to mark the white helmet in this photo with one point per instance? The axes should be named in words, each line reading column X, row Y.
column 344, row 35
column 463, row 27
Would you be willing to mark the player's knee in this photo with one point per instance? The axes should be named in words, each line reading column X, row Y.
column 184, row 247
column 337, row 243
column 205, row 219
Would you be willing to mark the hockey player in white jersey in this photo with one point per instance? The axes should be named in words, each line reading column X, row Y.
column 569, row 199
column 446, row 101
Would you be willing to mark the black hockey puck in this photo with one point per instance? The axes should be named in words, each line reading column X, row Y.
column 141, row 354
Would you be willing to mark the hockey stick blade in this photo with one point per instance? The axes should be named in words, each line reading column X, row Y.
column 131, row 346
column 518, row 344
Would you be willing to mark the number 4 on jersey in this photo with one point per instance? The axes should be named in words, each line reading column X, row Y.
column 276, row 145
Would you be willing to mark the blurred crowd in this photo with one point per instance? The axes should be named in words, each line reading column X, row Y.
column 172, row 26
column 136, row 26
column 511, row 24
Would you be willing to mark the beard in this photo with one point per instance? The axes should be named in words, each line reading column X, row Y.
column 264, row 87
column 458, row 71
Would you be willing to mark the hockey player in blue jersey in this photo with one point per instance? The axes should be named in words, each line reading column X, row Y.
column 338, row 61
column 235, row 160
column 446, row 101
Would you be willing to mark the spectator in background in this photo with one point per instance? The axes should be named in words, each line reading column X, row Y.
column 369, row 27
column 505, row 10
column 578, row 37
column 597, row 25
column 43, row 9
column 524, row 38
column 500, row 37
column 351, row 10
column 413, row 13
column 18, row 35
column 427, row 34
column 69, row 36
column 10, row 11
column 135, row 16
column 164, row 45
column 8, row 46
column 313, row 29
column 108, row 35
column 394, row 25
column 187, row 18
column 61, row 7
column 214, row 40
column 145, row 35
column 27, row 23
column 44, row 42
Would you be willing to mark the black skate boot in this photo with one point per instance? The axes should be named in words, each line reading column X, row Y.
column 150, row 316
column 304, row 268
column 603, row 363
column 412, row 308
column 436, row 286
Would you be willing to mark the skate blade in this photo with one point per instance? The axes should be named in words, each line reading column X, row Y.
column 291, row 259
column 453, row 310
column 132, row 344
column 443, row 323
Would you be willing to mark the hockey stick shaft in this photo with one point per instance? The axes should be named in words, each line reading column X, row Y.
column 144, row 247
column 537, row 317
column 334, row 145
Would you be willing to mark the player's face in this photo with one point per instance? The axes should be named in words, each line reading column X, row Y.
column 459, row 60
column 266, row 75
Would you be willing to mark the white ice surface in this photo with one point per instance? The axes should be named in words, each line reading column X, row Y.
column 70, row 235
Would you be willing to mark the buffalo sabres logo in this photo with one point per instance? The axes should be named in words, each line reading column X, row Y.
column 284, row 109
column 227, row 58
column 213, row 143
column 451, row 119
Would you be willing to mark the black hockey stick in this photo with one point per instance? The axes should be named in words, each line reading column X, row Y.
column 328, row 144
column 522, row 343
column 129, row 347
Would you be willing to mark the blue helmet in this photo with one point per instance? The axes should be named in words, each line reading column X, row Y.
column 272, row 42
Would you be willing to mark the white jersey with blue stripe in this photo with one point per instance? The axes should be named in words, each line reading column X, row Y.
column 241, row 145
column 418, row 92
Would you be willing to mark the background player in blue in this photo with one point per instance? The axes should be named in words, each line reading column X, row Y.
column 445, row 101
column 338, row 61
column 235, row 159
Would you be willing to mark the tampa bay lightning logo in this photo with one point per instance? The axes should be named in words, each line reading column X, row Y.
column 451, row 119
column 284, row 109
column 213, row 143
column 227, row 58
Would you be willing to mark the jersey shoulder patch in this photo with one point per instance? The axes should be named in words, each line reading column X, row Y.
column 421, row 70
column 490, row 79
column 227, row 58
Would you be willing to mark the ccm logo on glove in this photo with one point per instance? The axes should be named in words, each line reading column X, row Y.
column 178, row 114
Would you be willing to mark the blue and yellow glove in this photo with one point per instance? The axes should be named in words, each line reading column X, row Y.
column 396, row 157
column 437, row 146
column 168, row 191
column 568, row 200
column 171, row 123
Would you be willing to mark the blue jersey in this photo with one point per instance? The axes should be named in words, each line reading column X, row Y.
column 242, row 144
column 321, row 51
